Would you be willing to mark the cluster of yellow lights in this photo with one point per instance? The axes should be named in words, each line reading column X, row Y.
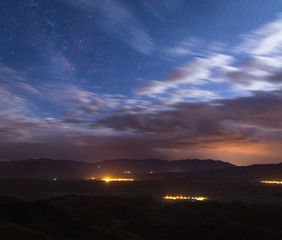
column 272, row 182
column 117, row 179
column 92, row 178
column 184, row 198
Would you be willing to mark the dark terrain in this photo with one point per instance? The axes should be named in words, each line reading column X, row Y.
column 238, row 205
column 125, row 217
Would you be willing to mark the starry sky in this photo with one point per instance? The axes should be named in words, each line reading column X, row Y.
column 102, row 79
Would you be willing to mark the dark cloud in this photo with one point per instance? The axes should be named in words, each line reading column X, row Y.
column 239, row 119
column 276, row 78
column 263, row 109
column 256, row 70
column 75, row 120
column 70, row 113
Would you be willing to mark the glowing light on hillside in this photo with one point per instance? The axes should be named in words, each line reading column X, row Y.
column 272, row 182
column 117, row 179
column 92, row 178
column 184, row 198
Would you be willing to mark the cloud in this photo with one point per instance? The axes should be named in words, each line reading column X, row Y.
column 76, row 101
column 257, row 73
column 16, row 118
column 251, row 119
column 191, row 94
column 180, row 127
column 12, row 104
column 182, row 48
column 8, row 74
column 266, row 40
column 263, row 109
column 118, row 19
column 199, row 72
column 260, row 69
column 15, row 80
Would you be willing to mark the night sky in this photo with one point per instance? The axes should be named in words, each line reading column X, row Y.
column 102, row 79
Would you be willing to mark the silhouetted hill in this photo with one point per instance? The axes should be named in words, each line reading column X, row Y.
column 159, row 166
column 255, row 172
column 194, row 168
column 49, row 169
column 43, row 169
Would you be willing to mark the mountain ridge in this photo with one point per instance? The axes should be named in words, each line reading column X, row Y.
column 49, row 168
column 45, row 168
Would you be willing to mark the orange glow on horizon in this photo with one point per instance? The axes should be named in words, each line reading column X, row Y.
column 240, row 153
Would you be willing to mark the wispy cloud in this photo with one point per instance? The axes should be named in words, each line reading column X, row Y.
column 15, row 80
column 181, row 49
column 118, row 19
column 260, row 69
column 199, row 72
column 8, row 74
column 77, row 101
column 266, row 40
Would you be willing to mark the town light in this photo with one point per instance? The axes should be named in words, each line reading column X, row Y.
column 184, row 198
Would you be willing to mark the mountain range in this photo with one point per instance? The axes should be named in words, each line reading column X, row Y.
column 129, row 168
column 49, row 169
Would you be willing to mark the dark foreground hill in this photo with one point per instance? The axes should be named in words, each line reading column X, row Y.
column 49, row 169
column 120, row 217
